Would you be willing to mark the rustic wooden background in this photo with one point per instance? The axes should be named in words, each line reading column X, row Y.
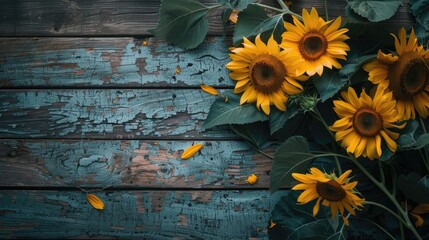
column 85, row 104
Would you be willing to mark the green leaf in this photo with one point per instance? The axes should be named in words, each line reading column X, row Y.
column 420, row 10
column 182, row 22
column 375, row 10
column 256, row 133
column 298, row 222
column 279, row 118
column 292, row 156
column 253, row 21
column 414, row 187
column 354, row 64
column 407, row 140
column 236, row 4
column 232, row 112
column 328, row 84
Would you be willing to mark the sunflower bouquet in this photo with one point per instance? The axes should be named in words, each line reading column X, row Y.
column 342, row 103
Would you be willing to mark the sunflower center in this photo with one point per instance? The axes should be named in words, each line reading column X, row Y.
column 267, row 73
column 367, row 122
column 409, row 76
column 313, row 45
column 331, row 190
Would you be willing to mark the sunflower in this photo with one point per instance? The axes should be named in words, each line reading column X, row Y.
column 365, row 121
column 334, row 192
column 405, row 73
column 315, row 43
column 262, row 74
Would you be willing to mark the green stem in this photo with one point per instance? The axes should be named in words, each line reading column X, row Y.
column 286, row 11
column 380, row 167
column 401, row 228
column 387, row 210
column 389, row 195
column 320, row 119
column 337, row 162
column 326, row 10
column 283, row 5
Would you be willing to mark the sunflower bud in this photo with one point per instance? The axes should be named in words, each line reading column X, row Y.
column 308, row 102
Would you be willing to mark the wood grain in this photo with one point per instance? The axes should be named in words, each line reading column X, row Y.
column 128, row 17
column 137, row 214
column 144, row 164
column 110, row 62
column 107, row 114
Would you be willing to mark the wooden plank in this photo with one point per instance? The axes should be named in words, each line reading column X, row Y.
column 127, row 17
column 137, row 214
column 107, row 113
column 147, row 164
column 110, row 62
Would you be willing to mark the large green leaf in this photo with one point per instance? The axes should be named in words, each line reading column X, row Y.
column 354, row 64
column 375, row 10
column 420, row 10
column 182, row 22
column 279, row 118
column 328, row 84
column 411, row 139
column 256, row 133
column 236, row 4
column 231, row 112
column 298, row 222
column 414, row 187
column 292, row 156
column 253, row 21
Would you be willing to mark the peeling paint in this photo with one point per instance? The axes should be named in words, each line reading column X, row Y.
column 99, row 112
column 103, row 163
column 111, row 61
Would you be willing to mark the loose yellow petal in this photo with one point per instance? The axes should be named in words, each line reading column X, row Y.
column 190, row 151
column 178, row 70
column 95, row 201
column 272, row 224
column 233, row 17
column 252, row 179
column 209, row 89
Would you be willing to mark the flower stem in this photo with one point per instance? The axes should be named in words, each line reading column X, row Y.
column 387, row 210
column 380, row 167
column 320, row 119
column 286, row 11
column 337, row 162
column 283, row 5
column 389, row 195
column 326, row 10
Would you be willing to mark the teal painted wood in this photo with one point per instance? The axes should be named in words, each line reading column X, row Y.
column 137, row 214
column 108, row 113
column 219, row 164
column 126, row 17
column 110, row 62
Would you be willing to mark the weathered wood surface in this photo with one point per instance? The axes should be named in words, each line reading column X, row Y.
column 107, row 113
column 137, row 214
column 110, row 62
column 124, row 18
column 146, row 164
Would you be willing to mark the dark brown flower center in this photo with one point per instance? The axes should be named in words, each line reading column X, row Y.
column 313, row 45
column 367, row 122
column 331, row 190
column 267, row 73
column 409, row 76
